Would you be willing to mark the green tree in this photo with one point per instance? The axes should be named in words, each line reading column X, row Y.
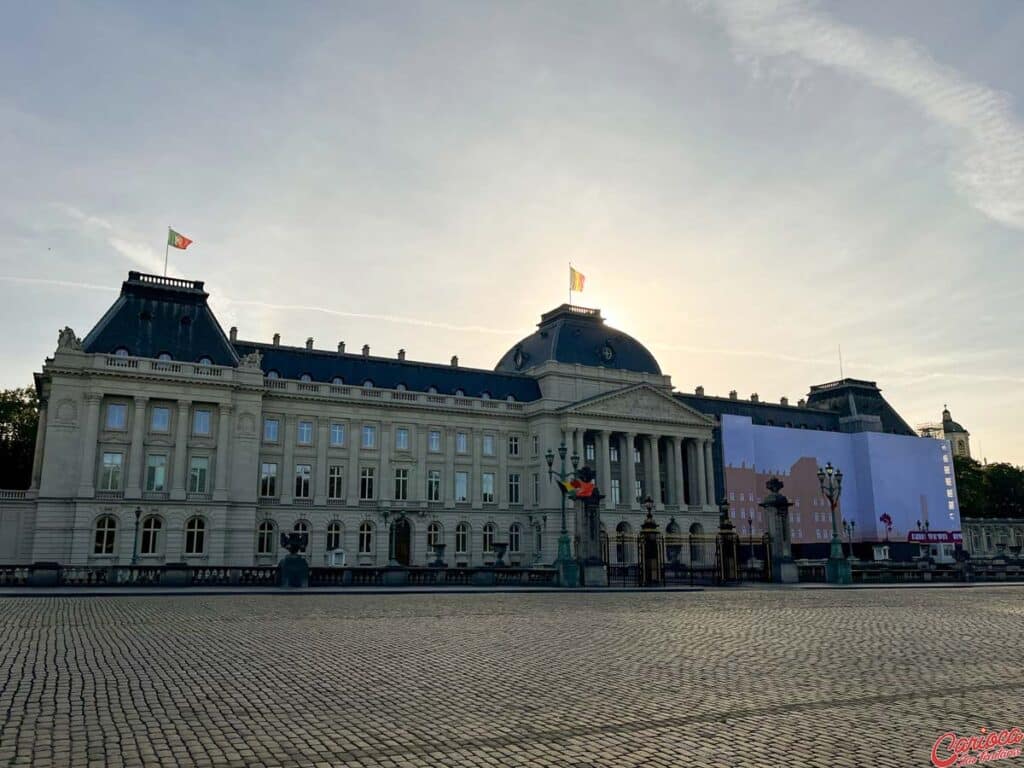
column 19, row 415
column 970, row 486
column 1004, row 487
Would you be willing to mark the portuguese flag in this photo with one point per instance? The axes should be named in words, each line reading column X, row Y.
column 177, row 240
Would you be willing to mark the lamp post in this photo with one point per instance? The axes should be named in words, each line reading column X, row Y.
column 750, row 533
column 850, row 526
column 135, row 544
column 568, row 569
column 837, row 570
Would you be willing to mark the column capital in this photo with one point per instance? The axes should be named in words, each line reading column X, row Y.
column 226, row 407
column 141, row 400
column 93, row 397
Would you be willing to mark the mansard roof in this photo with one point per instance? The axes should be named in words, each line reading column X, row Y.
column 155, row 315
column 763, row 413
column 388, row 373
column 853, row 397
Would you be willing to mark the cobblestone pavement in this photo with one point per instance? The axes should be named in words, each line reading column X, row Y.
column 717, row 678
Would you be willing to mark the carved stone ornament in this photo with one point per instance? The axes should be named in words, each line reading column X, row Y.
column 252, row 360
column 67, row 341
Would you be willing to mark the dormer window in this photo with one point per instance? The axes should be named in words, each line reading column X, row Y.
column 368, row 384
column 204, row 360
column 337, row 381
column 511, row 398
column 164, row 357
column 121, row 352
column 485, row 395
column 273, row 375
column 431, row 390
column 305, row 377
column 400, row 387
column 460, row 392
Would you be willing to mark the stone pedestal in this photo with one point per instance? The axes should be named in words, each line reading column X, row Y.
column 595, row 574
column 176, row 575
column 776, row 508
column 293, row 572
column 394, row 577
column 44, row 575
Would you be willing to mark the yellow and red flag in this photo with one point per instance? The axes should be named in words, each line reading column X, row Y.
column 177, row 240
column 576, row 280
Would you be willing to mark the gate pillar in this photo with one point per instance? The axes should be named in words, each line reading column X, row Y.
column 651, row 574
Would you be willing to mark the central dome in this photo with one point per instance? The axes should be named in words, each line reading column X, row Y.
column 577, row 335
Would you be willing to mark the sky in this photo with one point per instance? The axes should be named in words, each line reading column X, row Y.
column 747, row 186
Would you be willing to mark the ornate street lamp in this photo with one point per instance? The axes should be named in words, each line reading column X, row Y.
column 850, row 526
column 135, row 545
column 837, row 570
column 649, row 505
column 568, row 569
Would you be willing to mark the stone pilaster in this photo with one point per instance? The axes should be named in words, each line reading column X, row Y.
column 90, row 434
column 180, row 468
column 133, row 488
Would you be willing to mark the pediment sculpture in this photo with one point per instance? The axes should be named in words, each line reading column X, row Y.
column 67, row 341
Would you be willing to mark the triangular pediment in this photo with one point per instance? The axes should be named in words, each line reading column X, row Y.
column 640, row 402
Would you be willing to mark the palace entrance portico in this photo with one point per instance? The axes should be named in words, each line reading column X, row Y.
column 641, row 442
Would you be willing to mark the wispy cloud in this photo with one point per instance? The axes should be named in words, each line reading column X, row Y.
column 122, row 241
column 987, row 140
column 56, row 283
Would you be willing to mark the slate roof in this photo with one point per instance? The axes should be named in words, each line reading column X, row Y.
column 388, row 373
column 764, row 414
column 570, row 334
column 155, row 315
column 867, row 399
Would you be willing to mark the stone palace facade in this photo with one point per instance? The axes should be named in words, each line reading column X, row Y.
column 163, row 439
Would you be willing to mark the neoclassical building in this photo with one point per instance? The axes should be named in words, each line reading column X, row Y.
column 947, row 429
column 163, row 439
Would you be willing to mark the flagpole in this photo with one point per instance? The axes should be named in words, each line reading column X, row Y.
column 570, row 283
column 167, row 247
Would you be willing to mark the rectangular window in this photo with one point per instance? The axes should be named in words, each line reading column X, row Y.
column 369, row 436
column 160, row 419
column 462, row 486
column 156, row 472
column 268, row 480
column 513, row 445
column 110, row 477
column 513, row 488
column 589, row 451
column 434, row 441
column 198, row 472
column 401, row 439
column 303, row 473
column 613, row 453
column 487, row 487
column 461, row 442
column 636, row 455
column 638, row 490
column 305, row 433
column 535, row 445
column 334, row 487
column 117, row 416
column 270, row 430
column 488, row 445
column 366, row 483
column 616, row 491
column 201, row 421
column 434, row 485
column 536, row 488
column 337, row 434
column 401, row 484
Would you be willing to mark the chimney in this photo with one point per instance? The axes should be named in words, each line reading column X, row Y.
column 455, row 361
column 341, row 347
column 401, row 354
column 277, row 339
column 309, row 343
column 732, row 394
column 233, row 334
column 754, row 398
column 366, row 350
column 700, row 391
column 784, row 401
column 802, row 403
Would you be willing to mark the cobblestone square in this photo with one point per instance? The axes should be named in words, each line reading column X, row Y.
column 751, row 677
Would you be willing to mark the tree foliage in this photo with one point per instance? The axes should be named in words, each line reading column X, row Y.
column 19, row 415
column 989, row 490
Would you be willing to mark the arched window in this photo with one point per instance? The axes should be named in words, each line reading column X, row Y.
column 204, row 360
column 485, row 395
column 489, row 537
column 334, row 536
column 265, row 538
column 151, row 528
column 106, row 530
column 305, row 377
column 195, row 536
column 301, row 526
column 368, row 384
column 434, row 534
column 511, row 398
column 431, row 390
column 273, row 374
column 337, row 381
column 460, row 392
column 462, row 539
column 400, row 387
column 961, row 448
column 622, row 542
column 514, row 532
column 365, row 538
column 121, row 352
column 164, row 357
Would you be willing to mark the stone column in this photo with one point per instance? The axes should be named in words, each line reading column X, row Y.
column 501, row 489
column 654, row 471
column 90, row 434
column 702, row 493
column 133, row 488
column 677, row 472
column 37, row 454
column 604, row 467
column 691, row 468
column 386, row 490
column 627, row 456
column 220, row 484
column 476, row 481
column 420, row 494
column 323, row 437
column 288, row 470
column 709, row 468
column 180, row 451
column 448, row 480
column 351, row 489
